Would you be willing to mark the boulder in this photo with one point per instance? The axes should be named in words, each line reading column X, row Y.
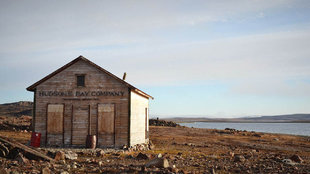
column 158, row 162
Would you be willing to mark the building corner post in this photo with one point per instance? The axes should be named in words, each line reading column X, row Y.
column 34, row 111
column 129, row 115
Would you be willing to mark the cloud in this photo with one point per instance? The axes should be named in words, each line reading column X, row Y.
column 33, row 25
column 256, row 64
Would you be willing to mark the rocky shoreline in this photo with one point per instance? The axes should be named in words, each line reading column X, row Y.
column 158, row 122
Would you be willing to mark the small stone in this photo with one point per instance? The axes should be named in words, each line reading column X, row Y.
column 21, row 159
column 158, row 162
column 175, row 170
column 60, row 155
column 288, row 161
column 74, row 165
column 239, row 158
column 232, row 154
column 100, row 153
column 46, row 170
column 142, row 156
column 151, row 145
column 125, row 147
column 3, row 171
column 159, row 155
column 129, row 157
column 256, row 135
column 100, row 163
column 71, row 155
column 64, row 172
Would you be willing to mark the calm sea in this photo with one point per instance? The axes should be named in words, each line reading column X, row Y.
column 282, row 128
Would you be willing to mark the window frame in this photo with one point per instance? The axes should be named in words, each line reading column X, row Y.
column 77, row 80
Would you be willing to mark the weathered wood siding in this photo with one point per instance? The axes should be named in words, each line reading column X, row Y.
column 138, row 118
column 80, row 112
column 80, row 124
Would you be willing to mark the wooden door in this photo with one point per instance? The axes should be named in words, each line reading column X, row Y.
column 106, row 128
column 80, row 124
column 54, row 124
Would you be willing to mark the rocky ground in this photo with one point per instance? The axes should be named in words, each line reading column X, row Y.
column 173, row 150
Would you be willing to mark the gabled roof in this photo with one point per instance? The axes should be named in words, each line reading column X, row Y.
column 134, row 89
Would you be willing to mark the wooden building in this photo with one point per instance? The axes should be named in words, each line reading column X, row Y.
column 81, row 99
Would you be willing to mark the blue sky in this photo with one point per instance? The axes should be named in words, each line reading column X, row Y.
column 213, row 58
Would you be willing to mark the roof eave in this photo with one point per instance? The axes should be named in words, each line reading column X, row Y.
column 136, row 90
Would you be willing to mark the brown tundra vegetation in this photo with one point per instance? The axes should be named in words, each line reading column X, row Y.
column 173, row 150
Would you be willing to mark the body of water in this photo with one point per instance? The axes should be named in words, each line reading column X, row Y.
column 282, row 128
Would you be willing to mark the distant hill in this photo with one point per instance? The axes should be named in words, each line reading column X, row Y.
column 16, row 109
column 292, row 117
column 267, row 119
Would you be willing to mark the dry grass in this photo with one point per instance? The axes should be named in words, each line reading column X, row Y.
column 22, row 137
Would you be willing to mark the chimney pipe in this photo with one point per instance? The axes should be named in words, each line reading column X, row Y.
column 124, row 76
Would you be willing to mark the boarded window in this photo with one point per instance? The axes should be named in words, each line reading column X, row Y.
column 55, row 118
column 80, row 80
column 106, row 118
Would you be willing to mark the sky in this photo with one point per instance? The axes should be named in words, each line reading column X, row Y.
column 217, row 58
